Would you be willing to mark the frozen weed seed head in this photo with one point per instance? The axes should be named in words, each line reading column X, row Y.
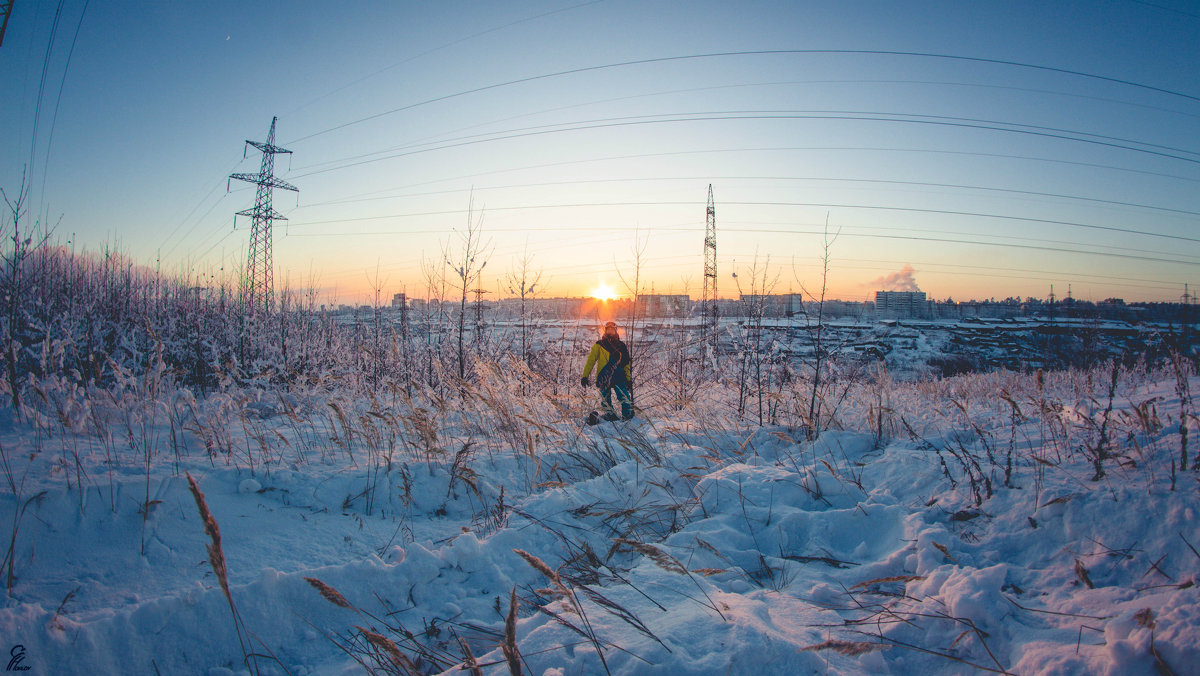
column 216, row 558
column 388, row 654
column 511, row 654
column 329, row 593
column 541, row 567
column 216, row 555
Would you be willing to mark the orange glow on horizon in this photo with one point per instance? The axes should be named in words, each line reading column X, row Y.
column 603, row 291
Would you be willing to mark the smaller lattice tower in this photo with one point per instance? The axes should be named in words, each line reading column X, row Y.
column 259, row 283
column 708, row 306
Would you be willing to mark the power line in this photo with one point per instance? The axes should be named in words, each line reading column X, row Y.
column 809, row 82
column 1167, row 9
column 610, row 158
column 556, row 128
column 835, row 179
column 37, row 109
column 1031, row 130
column 914, row 150
column 200, row 220
column 689, row 229
column 214, row 245
column 188, row 216
column 802, row 114
column 795, row 231
column 438, row 49
column 896, row 182
column 829, row 205
column 58, row 100
column 713, row 55
column 950, row 212
column 1031, row 158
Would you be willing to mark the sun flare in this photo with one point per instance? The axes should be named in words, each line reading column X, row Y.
column 604, row 292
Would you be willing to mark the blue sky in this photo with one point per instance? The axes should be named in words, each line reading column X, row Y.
column 995, row 148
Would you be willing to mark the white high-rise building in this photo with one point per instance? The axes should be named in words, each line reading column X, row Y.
column 902, row 304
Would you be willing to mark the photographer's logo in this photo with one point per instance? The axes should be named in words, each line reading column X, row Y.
column 18, row 656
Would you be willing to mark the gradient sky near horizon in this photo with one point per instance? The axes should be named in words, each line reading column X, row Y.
column 974, row 149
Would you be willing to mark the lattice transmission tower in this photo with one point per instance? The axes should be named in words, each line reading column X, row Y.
column 5, row 12
column 708, row 330
column 259, row 282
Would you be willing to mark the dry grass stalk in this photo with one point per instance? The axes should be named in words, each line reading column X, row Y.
column 1185, row 541
column 332, row 595
column 216, row 555
column 709, row 547
column 945, row 552
column 397, row 659
column 1054, row 612
column 1082, row 573
column 848, row 648
column 568, row 597
column 216, row 558
column 348, row 435
column 670, row 564
column 1159, row 663
column 469, row 662
column 541, row 567
column 56, row 621
column 959, row 638
column 659, row 557
column 511, row 654
column 894, row 578
column 1060, row 499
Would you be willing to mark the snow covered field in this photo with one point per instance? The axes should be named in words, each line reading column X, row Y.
column 1008, row 523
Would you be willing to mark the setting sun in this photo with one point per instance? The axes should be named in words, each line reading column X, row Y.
column 604, row 292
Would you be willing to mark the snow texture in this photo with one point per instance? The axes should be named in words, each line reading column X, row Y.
column 968, row 532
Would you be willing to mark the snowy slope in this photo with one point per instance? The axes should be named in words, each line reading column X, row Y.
column 943, row 527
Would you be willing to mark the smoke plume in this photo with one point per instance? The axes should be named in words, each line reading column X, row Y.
column 898, row 281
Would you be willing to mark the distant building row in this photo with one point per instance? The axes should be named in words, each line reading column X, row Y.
column 902, row 305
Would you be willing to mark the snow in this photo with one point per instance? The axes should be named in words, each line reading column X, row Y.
column 684, row 542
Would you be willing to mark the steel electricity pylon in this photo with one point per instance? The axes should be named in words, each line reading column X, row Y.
column 259, row 282
column 708, row 330
column 5, row 12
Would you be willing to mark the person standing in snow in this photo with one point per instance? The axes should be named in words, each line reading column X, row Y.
column 611, row 357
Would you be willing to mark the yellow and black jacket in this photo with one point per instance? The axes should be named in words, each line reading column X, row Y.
column 611, row 356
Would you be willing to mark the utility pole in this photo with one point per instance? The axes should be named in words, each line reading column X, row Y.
column 259, row 283
column 708, row 326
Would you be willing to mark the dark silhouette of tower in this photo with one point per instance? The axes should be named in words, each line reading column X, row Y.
column 259, row 282
column 5, row 12
column 708, row 330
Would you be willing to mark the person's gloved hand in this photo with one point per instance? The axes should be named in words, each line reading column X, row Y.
column 584, row 381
